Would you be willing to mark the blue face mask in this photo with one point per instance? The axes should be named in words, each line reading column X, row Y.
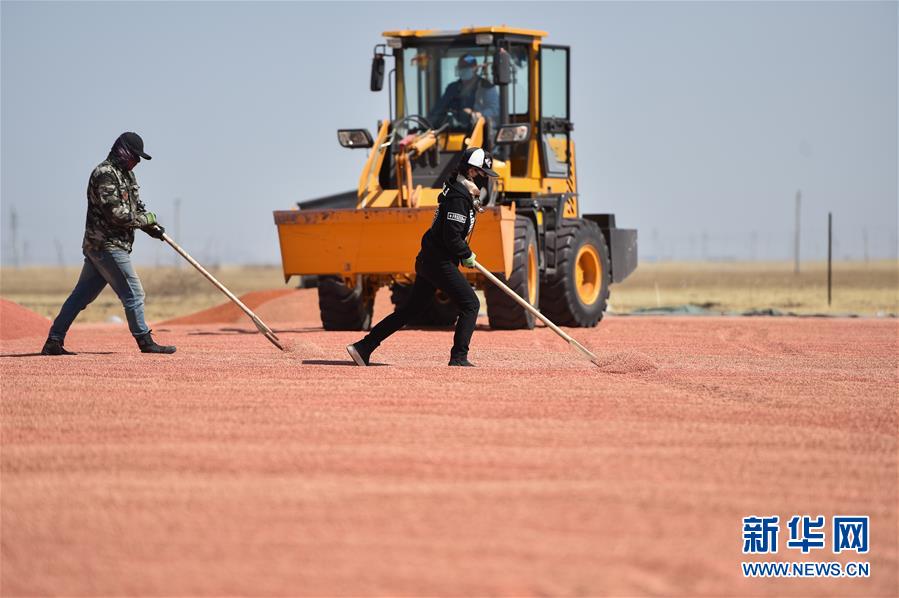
column 466, row 73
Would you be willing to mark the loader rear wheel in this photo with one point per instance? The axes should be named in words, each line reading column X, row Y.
column 578, row 293
column 502, row 311
column 440, row 313
column 342, row 307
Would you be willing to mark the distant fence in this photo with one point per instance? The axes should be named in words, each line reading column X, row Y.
column 861, row 245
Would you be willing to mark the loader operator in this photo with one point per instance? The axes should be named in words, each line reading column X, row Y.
column 443, row 247
column 471, row 94
column 114, row 210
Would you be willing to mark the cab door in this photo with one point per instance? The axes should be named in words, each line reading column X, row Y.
column 555, row 111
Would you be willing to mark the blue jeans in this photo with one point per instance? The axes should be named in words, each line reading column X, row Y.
column 106, row 266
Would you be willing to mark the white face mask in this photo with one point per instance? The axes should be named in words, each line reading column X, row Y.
column 466, row 73
column 472, row 188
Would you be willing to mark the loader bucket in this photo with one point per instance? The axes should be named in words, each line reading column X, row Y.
column 380, row 241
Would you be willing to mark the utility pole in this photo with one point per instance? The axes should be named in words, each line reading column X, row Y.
column 796, row 235
column 60, row 256
column 865, row 242
column 14, row 235
column 829, row 254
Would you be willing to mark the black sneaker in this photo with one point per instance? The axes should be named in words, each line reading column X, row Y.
column 148, row 345
column 461, row 361
column 359, row 353
column 54, row 347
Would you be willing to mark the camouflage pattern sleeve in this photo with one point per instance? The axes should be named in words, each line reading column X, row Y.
column 135, row 193
column 114, row 209
column 142, row 220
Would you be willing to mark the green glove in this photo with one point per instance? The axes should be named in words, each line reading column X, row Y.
column 469, row 261
column 150, row 217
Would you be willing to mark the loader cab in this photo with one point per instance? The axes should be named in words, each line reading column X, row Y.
column 519, row 86
column 531, row 230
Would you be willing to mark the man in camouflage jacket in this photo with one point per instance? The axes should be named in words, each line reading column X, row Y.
column 114, row 211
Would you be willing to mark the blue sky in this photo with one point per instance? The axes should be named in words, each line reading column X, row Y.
column 695, row 122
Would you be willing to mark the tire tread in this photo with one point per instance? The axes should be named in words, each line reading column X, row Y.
column 559, row 301
column 503, row 312
column 341, row 307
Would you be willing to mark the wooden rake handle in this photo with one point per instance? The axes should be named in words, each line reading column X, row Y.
column 260, row 325
column 503, row 287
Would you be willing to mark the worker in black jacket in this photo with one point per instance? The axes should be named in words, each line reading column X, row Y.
column 443, row 247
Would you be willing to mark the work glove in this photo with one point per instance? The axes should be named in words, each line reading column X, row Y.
column 150, row 217
column 469, row 261
column 154, row 230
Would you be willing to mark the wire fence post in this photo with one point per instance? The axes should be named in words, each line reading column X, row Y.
column 796, row 234
column 829, row 255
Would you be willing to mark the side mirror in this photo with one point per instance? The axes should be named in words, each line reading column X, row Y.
column 509, row 134
column 502, row 67
column 354, row 138
column 377, row 72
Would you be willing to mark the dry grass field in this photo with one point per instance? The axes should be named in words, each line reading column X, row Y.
column 859, row 288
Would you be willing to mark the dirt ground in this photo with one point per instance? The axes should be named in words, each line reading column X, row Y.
column 231, row 468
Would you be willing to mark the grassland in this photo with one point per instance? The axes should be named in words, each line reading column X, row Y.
column 858, row 288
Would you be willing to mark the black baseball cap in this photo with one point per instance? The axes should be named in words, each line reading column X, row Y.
column 134, row 142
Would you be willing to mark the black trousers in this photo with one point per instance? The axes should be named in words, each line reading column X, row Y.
column 430, row 276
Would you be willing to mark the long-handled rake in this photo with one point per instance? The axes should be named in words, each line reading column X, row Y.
column 260, row 325
column 581, row 348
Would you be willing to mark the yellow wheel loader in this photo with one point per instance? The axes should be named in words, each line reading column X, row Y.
column 500, row 88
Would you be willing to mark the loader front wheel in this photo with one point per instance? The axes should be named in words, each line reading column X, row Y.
column 578, row 292
column 440, row 313
column 502, row 311
column 342, row 307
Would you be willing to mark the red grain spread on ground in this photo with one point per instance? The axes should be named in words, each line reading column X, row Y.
column 276, row 306
column 19, row 322
column 228, row 312
column 231, row 468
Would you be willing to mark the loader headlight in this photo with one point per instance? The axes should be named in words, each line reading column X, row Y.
column 354, row 138
column 513, row 133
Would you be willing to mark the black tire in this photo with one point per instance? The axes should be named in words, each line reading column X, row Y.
column 560, row 300
column 343, row 308
column 502, row 311
column 441, row 312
